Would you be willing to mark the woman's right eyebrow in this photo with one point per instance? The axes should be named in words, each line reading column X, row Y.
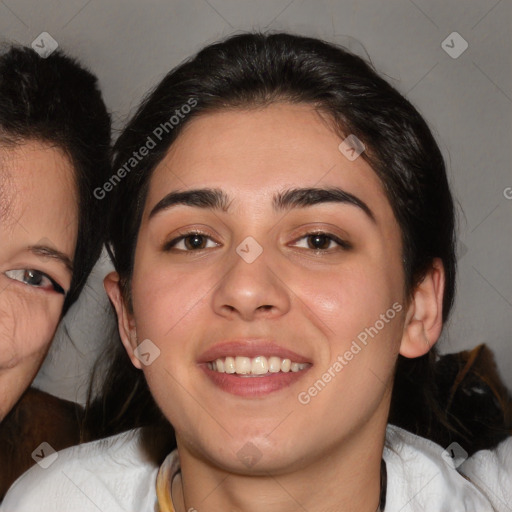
column 211, row 198
column 216, row 199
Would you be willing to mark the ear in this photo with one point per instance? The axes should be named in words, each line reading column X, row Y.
column 125, row 321
column 424, row 318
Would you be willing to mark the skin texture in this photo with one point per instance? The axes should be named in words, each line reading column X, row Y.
column 38, row 208
column 314, row 302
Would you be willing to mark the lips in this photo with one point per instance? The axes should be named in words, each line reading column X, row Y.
column 252, row 367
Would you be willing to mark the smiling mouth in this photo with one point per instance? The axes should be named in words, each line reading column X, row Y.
column 256, row 366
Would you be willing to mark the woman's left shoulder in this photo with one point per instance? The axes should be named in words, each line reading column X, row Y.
column 491, row 472
column 423, row 475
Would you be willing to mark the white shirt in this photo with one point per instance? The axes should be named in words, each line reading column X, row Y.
column 114, row 475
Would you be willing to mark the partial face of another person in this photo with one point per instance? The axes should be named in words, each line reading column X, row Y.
column 38, row 232
column 292, row 253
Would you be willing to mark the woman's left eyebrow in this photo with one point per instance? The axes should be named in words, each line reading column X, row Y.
column 49, row 252
column 304, row 197
column 217, row 199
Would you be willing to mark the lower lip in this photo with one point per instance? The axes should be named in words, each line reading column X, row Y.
column 253, row 386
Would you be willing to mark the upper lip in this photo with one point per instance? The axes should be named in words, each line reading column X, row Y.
column 250, row 348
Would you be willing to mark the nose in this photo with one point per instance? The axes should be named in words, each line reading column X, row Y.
column 251, row 291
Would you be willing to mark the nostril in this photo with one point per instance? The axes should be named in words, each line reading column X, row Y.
column 265, row 307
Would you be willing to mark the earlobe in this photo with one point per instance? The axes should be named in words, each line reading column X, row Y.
column 424, row 318
column 126, row 325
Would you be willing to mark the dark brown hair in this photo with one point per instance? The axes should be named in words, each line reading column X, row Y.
column 55, row 100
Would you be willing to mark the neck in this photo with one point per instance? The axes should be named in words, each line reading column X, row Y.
column 344, row 477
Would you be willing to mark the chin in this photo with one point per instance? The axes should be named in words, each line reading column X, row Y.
column 255, row 453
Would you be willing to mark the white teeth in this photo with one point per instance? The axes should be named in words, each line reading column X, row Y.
column 260, row 365
column 274, row 364
column 229, row 365
column 242, row 365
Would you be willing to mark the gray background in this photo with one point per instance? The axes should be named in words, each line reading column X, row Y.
column 467, row 101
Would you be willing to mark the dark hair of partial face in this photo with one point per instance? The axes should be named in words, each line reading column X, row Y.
column 255, row 70
column 56, row 101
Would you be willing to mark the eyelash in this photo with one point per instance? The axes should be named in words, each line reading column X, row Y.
column 168, row 246
column 342, row 244
column 28, row 273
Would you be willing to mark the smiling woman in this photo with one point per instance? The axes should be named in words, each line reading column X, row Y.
column 257, row 257
column 54, row 149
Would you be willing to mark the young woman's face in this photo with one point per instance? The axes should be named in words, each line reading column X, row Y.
column 38, row 230
column 260, row 237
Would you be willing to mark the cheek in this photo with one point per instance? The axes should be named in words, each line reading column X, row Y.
column 359, row 309
column 26, row 329
column 349, row 299
column 171, row 309
column 165, row 301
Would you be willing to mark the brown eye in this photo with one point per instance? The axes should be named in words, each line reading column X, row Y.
column 195, row 241
column 190, row 242
column 319, row 242
column 322, row 242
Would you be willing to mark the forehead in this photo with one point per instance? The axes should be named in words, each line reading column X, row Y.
column 6, row 189
column 27, row 165
column 37, row 191
column 255, row 153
